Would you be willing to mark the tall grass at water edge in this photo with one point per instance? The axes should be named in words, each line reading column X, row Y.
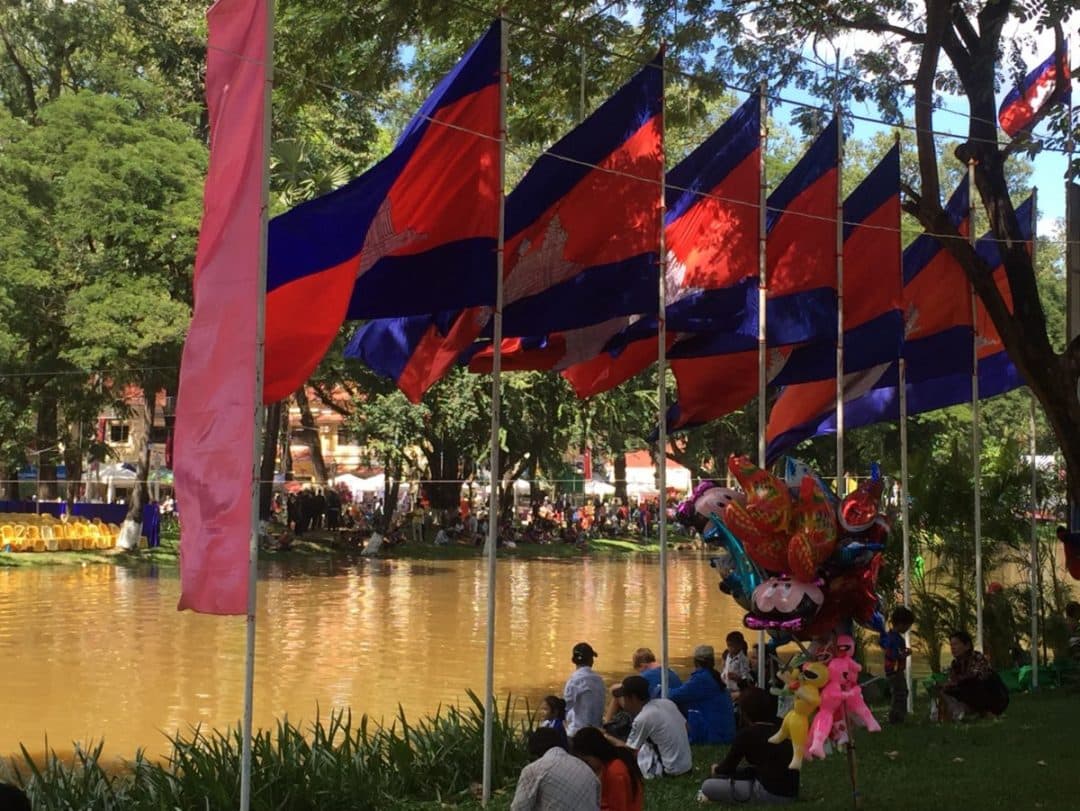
column 334, row 764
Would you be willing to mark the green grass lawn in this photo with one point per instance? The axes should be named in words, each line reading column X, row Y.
column 1026, row 760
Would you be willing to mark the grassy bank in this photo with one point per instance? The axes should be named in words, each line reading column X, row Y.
column 1025, row 760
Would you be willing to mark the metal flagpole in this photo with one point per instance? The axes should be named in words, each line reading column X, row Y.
column 976, row 441
column 1036, row 574
column 839, row 296
column 904, row 500
column 260, row 414
column 1072, row 274
column 496, row 393
column 905, row 518
column 661, row 399
column 763, row 281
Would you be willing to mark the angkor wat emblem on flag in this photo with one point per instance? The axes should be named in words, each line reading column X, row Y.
column 382, row 240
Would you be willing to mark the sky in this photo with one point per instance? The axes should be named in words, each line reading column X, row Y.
column 1049, row 167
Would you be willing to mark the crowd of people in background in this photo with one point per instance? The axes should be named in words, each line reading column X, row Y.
column 543, row 520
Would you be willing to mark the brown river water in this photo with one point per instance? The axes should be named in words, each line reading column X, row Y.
column 100, row 652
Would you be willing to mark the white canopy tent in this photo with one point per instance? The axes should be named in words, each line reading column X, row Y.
column 596, row 487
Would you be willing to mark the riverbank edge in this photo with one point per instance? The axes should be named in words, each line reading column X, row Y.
column 322, row 545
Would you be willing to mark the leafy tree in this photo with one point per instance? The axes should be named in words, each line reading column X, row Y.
column 102, row 200
column 931, row 47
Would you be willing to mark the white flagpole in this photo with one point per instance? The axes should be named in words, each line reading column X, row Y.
column 905, row 517
column 976, row 441
column 496, row 393
column 763, row 280
column 661, row 399
column 1036, row 574
column 839, row 295
column 256, row 451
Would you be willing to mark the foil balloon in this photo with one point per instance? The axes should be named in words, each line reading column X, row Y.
column 860, row 508
column 739, row 575
column 849, row 595
column 764, row 492
column 805, row 684
column 784, row 604
column 766, row 546
column 794, row 473
column 815, row 531
column 716, row 499
column 685, row 513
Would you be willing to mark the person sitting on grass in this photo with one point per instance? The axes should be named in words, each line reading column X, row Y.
column 657, row 732
column 622, row 787
column 644, row 662
column 555, row 780
column 736, row 670
column 767, row 779
column 972, row 688
column 553, row 716
column 705, row 701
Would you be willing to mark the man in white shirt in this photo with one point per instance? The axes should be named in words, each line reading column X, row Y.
column 658, row 731
column 556, row 780
column 584, row 691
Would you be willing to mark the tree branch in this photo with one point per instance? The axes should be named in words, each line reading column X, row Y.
column 24, row 74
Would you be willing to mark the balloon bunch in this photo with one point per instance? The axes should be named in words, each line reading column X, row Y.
column 796, row 557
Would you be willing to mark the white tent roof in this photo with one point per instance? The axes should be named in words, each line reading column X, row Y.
column 117, row 472
column 595, row 487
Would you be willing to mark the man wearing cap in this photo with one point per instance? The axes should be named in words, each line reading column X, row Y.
column 584, row 691
column 658, row 731
column 705, row 700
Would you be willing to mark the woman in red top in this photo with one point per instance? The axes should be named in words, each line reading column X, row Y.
column 622, row 788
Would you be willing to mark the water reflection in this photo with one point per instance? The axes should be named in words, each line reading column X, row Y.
column 102, row 651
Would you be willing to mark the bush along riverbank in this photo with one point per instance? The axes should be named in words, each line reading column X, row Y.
column 335, row 763
column 1023, row 760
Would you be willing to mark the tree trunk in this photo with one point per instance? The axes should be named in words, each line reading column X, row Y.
column 447, row 468
column 309, row 435
column 9, row 486
column 45, row 461
column 269, row 459
column 619, row 449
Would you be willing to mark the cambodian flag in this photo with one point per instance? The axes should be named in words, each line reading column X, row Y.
column 801, row 250
column 416, row 233
column 570, row 255
column 711, row 240
column 583, row 226
column 873, row 283
column 1021, row 106
column 938, row 372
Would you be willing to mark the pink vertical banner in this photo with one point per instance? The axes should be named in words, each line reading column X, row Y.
column 216, row 401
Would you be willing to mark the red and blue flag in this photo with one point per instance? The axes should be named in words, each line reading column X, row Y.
column 416, row 233
column 933, row 381
column 873, row 283
column 583, row 225
column 800, row 250
column 1047, row 83
column 570, row 256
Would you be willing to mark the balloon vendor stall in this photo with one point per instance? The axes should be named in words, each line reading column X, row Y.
column 804, row 565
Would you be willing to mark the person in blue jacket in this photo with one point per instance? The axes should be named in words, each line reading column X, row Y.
column 705, row 701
